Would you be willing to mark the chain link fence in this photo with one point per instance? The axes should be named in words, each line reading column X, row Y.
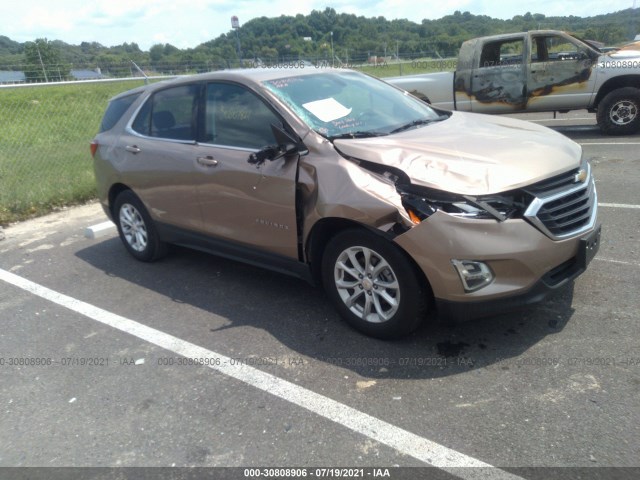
column 45, row 132
column 395, row 61
column 46, row 128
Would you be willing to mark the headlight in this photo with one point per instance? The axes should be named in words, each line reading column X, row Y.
column 421, row 203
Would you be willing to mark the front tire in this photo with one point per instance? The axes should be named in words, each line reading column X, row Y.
column 136, row 229
column 373, row 285
column 619, row 112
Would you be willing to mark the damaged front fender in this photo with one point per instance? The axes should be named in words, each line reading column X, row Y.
column 345, row 190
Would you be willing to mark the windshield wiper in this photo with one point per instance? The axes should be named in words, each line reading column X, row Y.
column 357, row 135
column 417, row 123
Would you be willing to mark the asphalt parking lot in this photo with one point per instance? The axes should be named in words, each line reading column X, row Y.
column 95, row 369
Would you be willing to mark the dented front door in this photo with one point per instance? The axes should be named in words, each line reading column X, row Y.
column 240, row 201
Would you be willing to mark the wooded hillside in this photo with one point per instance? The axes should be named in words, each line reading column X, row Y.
column 309, row 37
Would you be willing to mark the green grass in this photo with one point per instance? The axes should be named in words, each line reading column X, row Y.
column 45, row 133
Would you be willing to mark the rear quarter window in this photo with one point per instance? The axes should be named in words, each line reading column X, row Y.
column 115, row 110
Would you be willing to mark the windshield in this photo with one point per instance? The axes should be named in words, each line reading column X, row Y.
column 350, row 104
column 589, row 43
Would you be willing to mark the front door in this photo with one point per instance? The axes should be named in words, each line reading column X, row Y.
column 239, row 201
column 561, row 73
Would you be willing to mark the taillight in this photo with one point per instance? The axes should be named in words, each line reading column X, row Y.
column 94, row 148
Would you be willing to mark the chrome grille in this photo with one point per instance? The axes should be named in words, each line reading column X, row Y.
column 564, row 206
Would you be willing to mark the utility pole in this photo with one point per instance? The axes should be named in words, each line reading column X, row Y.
column 332, row 56
column 631, row 27
column 235, row 24
column 44, row 71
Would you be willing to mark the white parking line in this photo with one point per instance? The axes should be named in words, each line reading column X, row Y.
column 618, row 205
column 403, row 441
column 620, row 262
column 609, row 143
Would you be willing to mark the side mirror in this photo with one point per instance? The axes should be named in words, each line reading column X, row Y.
column 287, row 145
column 271, row 153
column 282, row 136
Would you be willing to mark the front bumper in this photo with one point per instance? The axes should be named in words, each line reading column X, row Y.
column 526, row 263
column 551, row 281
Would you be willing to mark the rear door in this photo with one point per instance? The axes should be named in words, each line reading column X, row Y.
column 498, row 85
column 241, row 202
column 159, row 152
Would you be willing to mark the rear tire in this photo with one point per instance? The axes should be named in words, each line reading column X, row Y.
column 136, row 229
column 619, row 112
column 373, row 285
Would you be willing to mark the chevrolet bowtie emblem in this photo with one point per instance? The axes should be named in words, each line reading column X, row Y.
column 580, row 177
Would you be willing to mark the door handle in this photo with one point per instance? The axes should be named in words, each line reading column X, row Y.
column 132, row 148
column 207, row 161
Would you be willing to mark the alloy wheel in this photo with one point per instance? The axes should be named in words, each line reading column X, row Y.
column 133, row 227
column 367, row 284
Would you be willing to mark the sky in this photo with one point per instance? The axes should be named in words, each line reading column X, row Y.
column 188, row 23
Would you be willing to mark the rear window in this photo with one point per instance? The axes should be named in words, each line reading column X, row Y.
column 115, row 110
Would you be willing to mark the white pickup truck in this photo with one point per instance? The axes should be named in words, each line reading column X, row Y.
column 538, row 71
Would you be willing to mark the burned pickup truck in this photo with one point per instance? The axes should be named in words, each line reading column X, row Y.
column 538, row 71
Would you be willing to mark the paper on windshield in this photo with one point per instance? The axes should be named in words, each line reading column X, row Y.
column 327, row 110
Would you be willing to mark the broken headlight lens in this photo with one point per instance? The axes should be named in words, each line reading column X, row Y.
column 421, row 203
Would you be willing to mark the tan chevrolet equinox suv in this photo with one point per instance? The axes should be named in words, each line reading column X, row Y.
column 342, row 179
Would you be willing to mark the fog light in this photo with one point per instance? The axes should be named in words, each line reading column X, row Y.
column 474, row 275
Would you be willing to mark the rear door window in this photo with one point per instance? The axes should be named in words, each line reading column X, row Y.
column 171, row 113
column 502, row 52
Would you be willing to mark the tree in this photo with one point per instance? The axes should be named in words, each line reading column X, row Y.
column 43, row 62
column 271, row 38
column 156, row 52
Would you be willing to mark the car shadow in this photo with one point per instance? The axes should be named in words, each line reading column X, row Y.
column 301, row 318
column 579, row 132
column 587, row 132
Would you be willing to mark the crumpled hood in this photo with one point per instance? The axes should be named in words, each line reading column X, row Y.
column 471, row 154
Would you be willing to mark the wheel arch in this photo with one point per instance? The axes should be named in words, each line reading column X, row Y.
column 115, row 190
column 327, row 228
column 616, row 83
